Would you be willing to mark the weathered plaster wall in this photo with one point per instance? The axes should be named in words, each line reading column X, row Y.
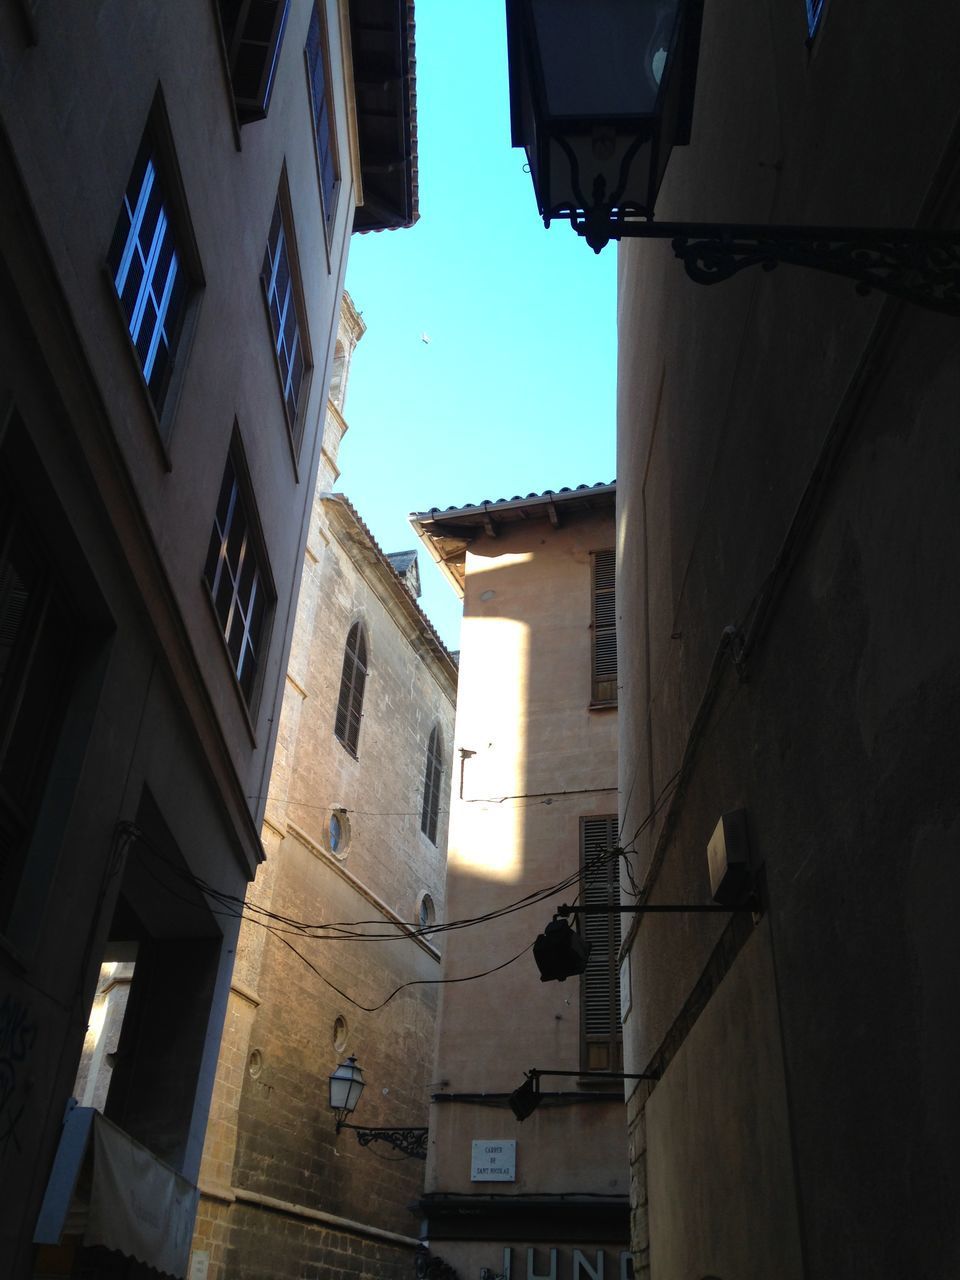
column 787, row 452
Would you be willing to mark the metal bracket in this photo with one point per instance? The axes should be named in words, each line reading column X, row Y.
column 410, row 1142
column 919, row 266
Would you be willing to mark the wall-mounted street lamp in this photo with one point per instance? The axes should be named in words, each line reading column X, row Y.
column 525, row 1099
column 346, row 1086
column 561, row 953
column 601, row 93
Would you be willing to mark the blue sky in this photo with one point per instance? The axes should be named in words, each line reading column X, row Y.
column 515, row 391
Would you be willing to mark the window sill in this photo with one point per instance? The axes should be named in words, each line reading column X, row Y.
column 602, row 706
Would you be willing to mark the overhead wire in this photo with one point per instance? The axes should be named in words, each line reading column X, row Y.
column 279, row 934
column 544, row 797
column 279, row 925
column 416, row 982
column 346, row 930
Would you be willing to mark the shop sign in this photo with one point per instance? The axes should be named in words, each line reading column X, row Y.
column 562, row 1264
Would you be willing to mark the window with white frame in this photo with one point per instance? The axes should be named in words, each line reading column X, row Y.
column 433, row 777
column 238, row 576
column 252, row 35
column 315, row 53
column 282, row 285
column 148, row 271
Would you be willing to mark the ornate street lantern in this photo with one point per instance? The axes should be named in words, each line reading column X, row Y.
column 346, row 1086
column 601, row 93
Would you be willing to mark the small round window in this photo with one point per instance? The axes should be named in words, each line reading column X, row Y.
column 338, row 833
column 426, row 911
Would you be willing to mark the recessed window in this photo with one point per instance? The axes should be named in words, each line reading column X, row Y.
column 340, row 1033
column 432, row 781
column 281, row 282
column 238, row 575
column 337, row 833
column 253, row 34
column 814, row 13
column 604, row 628
column 320, row 104
column 600, row 1038
column 426, row 911
column 352, row 681
column 148, row 271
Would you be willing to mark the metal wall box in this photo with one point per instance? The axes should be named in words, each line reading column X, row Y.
column 728, row 858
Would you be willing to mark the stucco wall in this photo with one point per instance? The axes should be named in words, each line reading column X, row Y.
column 784, row 454
column 125, row 505
column 538, row 759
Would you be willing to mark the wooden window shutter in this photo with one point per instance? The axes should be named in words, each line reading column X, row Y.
column 604, row 622
column 252, row 33
column 352, row 681
column 600, row 1037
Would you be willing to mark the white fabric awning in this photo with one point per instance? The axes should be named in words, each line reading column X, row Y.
column 137, row 1205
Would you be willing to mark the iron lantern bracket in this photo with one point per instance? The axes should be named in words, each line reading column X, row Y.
column 535, row 1073
column 410, row 1142
column 612, row 908
column 921, row 266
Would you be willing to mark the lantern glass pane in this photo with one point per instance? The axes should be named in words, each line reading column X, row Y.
column 346, row 1085
column 603, row 60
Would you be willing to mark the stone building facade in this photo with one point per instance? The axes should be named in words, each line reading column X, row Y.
column 533, row 809
column 348, row 840
column 180, row 183
column 789, row 629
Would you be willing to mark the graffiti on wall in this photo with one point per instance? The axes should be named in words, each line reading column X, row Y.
column 18, row 1036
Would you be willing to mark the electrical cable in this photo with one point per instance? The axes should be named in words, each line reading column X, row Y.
column 235, row 907
column 344, row 931
column 542, row 796
column 416, row 982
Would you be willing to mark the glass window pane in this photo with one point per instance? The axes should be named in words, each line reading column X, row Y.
column 150, row 284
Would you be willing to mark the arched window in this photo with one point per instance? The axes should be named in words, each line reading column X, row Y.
column 336, row 377
column 431, row 786
column 350, row 702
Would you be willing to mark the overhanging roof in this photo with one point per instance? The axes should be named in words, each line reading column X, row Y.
column 385, row 88
column 353, row 534
column 448, row 532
